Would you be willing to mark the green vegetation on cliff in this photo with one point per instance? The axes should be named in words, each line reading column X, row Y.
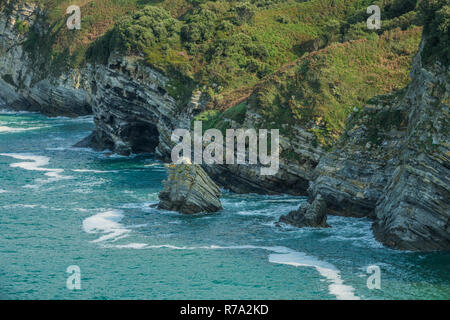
column 296, row 62
column 235, row 44
column 231, row 44
column 321, row 89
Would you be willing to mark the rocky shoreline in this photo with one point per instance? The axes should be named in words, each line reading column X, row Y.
column 391, row 165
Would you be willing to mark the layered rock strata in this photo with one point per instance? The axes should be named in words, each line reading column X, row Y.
column 189, row 190
column 393, row 163
column 22, row 83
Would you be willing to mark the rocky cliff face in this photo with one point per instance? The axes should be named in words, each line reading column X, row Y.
column 392, row 164
column 22, row 85
column 133, row 111
column 414, row 211
column 294, row 172
column 351, row 178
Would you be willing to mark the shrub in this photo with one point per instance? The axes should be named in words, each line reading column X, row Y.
column 144, row 29
column 22, row 27
column 245, row 12
column 199, row 26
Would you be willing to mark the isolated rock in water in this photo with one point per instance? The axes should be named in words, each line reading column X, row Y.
column 189, row 189
column 308, row 215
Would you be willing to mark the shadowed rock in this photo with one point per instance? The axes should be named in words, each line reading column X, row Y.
column 189, row 190
column 308, row 215
column 91, row 141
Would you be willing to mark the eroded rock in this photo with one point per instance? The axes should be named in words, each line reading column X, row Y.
column 308, row 215
column 189, row 190
column 25, row 81
column 401, row 179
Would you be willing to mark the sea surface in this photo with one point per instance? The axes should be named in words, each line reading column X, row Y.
column 62, row 206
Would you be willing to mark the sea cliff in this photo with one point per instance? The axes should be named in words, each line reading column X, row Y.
column 387, row 160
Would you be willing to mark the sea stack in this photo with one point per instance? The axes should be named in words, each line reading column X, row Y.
column 308, row 215
column 189, row 190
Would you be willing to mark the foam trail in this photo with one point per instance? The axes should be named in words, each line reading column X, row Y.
column 36, row 163
column 107, row 223
column 298, row 259
column 94, row 171
column 8, row 111
column 280, row 255
column 4, row 129
column 3, row 191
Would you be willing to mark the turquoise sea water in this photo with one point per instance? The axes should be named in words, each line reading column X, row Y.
column 62, row 206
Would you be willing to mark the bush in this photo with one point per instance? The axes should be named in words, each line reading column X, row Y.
column 144, row 29
column 199, row 26
column 22, row 27
column 245, row 12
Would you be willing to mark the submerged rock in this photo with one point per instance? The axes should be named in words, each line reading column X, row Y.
column 308, row 215
column 189, row 190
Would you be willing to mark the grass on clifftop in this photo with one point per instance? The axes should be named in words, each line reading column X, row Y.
column 229, row 46
column 322, row 88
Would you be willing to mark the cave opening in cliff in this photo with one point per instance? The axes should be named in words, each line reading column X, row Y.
column 143, row 137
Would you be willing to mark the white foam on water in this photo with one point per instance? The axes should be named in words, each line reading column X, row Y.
column 36, row 163
column 94, row 171
column 5, row 129
column 144, row 206
column 27, row 206
column 132, row 246
column 155, row 164
column 56, row 149
column 87, row 119
column 327, row 270
column 355, row 231
column 107, row 223
column 280, row 255
column 3, row 191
